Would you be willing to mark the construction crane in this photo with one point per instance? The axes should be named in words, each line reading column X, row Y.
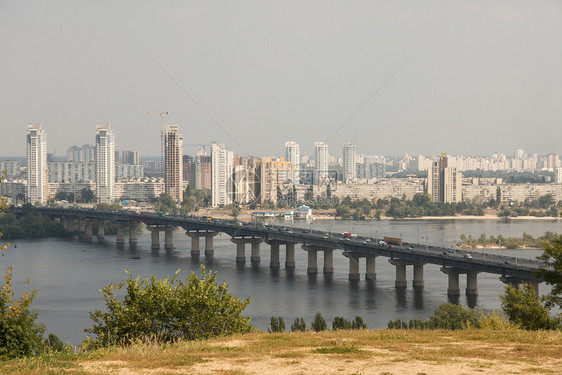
column 160, row 112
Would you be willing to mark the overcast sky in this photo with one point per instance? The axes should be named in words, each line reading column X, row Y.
column 485, row 76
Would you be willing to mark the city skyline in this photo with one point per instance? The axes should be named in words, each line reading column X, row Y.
column 483, row 78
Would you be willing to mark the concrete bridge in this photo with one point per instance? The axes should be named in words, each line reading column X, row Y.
column 453, row 262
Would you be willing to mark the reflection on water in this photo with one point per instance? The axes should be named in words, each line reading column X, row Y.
column 68, row 274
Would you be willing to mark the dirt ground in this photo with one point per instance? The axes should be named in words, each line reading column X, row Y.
column 338, row 355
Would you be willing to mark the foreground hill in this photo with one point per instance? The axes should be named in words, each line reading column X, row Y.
column 331, row 352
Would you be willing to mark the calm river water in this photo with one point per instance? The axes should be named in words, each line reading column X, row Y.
column 68, row 274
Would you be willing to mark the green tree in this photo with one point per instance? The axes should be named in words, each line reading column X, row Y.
column 340, row 323
column 20, row 335
column 87, row 195
column 358, row 323
column 167, row 310
column 235, row 212
column 552, row 271
column 54, row 343
column 277, row 324
column 451, row 316
column 165, row 203
column 522, row 307
column 298, row 325
column 319, row 323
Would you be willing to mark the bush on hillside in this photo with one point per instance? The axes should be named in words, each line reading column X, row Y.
column 167, row 311
column 20, row 335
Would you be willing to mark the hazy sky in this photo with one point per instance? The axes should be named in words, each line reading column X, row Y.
column 486, row 76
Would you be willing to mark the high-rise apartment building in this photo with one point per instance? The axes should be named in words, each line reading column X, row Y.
column 130, row 157
column 552, row 161
column 189, row 171
column 173, row 162
column 292, row 152
column 83, row 153
column 203, row 172
column 349, row 169
column 273, row 175
column 222, row 165
column 105, row 163
column 558, row 175
column 322, row 159
column 519, row 154
column 444, row 184
column 37, row 172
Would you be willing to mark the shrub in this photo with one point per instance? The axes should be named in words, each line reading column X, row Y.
column 167, row 311
column 358, row 323
column 319, row 323
column 496, row 321
column 298, row 325
column 340, row 323
column 277, row 324
column 20, row 335
column 451, row 316
column 54, row 343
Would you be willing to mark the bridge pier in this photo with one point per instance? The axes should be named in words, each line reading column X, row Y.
column 195, row 240
column 471, row 283
column 169, row 238
column 68, row 223
column 453, row 288
column 88, row 233
column 82, row 228
column 353, row 267
column 290, row 256
column 120, row 233
column 400, row 272
column 418, row 276
column 241, row 249
column 274, row 258
column 371, row 273
column 209, row 247
column 155, row 238
column 328, row 261
column 400, row 264
column 255, row 257
column 101, row 230
column 312, row 268
column 194, row 244
column 133, row 227
column 516, row 281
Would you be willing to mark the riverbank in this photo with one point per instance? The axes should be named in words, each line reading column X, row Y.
column 324, row 215
column 330, row 352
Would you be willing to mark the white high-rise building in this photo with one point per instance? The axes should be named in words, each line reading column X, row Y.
column 444, row 183
column 519, row 154
column 37, row 172
column 293, row 156
column 349, row 168
column 105, row 163
column 558, row 175
column 222, row 165
column 322, row 162
column 173, row 162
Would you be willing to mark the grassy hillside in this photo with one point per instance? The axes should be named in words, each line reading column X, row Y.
column 330, row 352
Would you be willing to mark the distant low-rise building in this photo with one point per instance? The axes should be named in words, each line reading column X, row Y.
column 379, row 189
column 13, row 189
column 140, row 190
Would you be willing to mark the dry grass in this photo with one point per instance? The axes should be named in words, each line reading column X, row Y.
column 331, row 352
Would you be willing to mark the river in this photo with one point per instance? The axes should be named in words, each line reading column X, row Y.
column 68, row 274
